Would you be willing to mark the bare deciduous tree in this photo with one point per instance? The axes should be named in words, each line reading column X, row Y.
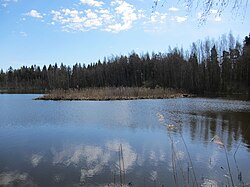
column 237, row 7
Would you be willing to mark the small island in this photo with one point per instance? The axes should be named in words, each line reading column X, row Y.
column 113, row 93
column 215, row 72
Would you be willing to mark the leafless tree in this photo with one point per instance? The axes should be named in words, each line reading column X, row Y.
column 237, row 7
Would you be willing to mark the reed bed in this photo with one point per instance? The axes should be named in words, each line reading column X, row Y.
column 113, row 93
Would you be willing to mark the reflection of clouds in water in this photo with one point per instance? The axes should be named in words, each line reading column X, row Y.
column 213, row 160
column 12, row 177
column 96, row 160
column 210, row 160
column 95, row 154
column 74, row 154
column 157, row 156
column 140, row 159
column 162, row 155
column 153, row 175
column 152, row 155
column 96, row 157
column 129, row 155
column 36, row 159
column 209, row 183
column 58, row 178
column 179, row 156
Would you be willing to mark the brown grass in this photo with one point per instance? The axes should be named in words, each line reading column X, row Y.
column 113, row 93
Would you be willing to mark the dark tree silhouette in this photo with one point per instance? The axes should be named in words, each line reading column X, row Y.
column 200, row 72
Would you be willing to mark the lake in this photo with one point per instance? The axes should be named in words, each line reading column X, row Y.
column 167, row 142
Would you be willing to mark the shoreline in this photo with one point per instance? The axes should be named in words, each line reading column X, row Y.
column 113, row 93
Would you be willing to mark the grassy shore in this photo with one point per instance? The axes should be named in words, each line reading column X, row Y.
column 112, row 93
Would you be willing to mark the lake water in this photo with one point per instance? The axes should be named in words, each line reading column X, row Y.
column 170, row 142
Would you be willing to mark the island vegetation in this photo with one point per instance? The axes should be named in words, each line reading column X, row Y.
column 209, row 68
column 113, row 93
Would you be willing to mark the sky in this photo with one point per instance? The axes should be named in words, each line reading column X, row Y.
column 44, row 32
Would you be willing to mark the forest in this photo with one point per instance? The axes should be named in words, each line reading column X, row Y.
column 208, row 67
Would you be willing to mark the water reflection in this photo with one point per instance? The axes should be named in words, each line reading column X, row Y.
column 36, row 159
column 92, row 160
column 78, row 143
column 15, row 178
column 231, row 127
column 91, row 163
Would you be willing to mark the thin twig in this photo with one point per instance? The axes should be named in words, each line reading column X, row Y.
column 123, row 167
column 228, row 165
column 190, row 160
column 120, row 168
column 240, row 142
column 173, row 160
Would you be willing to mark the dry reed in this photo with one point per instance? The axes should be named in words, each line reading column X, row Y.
column 113, row 93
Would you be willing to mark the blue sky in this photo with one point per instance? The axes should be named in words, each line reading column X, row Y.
column 48, row 31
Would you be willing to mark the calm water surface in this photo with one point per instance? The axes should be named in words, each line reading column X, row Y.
column 164, row 142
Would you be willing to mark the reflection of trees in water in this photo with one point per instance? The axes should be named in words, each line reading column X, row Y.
column 231, row 126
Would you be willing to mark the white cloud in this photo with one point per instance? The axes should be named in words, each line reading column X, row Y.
column 214, row 11
column 158, row 17
column 180, row 19
column 92, row 3
column 128, row 15
column 69, row 19
column 90, row 14
column 34, row 13
column 119, row 17
column 156, row 22
column 199, row 15
column 217, row 18
column 213, row 17
column 173, row 9
column 116, row 2
column 5, row 3
column 74, row 20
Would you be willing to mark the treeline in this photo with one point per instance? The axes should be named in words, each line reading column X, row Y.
column 208, row 67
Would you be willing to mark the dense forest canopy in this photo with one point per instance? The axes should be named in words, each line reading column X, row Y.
column 210, row 66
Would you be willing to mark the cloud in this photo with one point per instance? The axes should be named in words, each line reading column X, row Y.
column 214, row 11
column 156, row 22
column 74, row 20
column 180, row 19
column 34, row 14
column 158, row 17
column 92, row 3
column 127, row 14
column 120, row 16
column 173, row 9
column 5, row 3
column 117, row 16
column 213, row 17
column 217, row 18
